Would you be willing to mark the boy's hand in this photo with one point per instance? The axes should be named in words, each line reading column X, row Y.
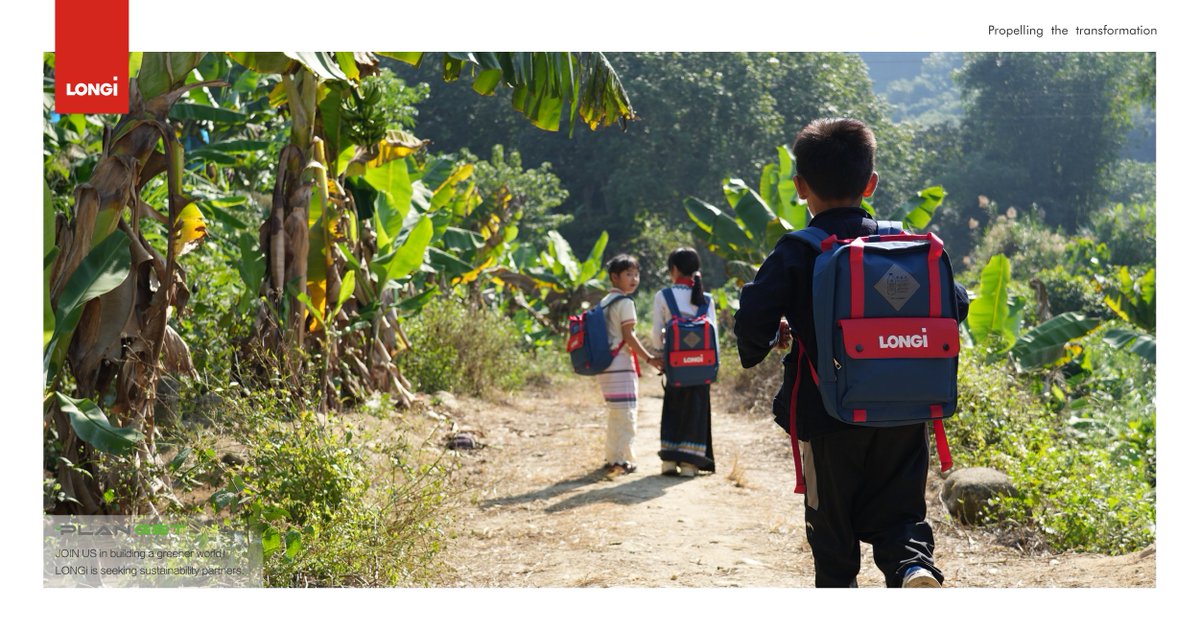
column 785, row 335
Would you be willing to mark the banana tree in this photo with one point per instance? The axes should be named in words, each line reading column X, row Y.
column 305, row 265
column 1133, row 299
column 743, row 235
column 554, row 281
column 110, row 292
column 546, row 86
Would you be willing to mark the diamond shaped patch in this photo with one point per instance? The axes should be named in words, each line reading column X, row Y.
column 897, row 286
column 692, row 339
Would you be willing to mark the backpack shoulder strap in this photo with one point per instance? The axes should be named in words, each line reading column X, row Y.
column 603, row 305
column 669, row 296
column 813, row 236
column 702, row 310
column 889, row 227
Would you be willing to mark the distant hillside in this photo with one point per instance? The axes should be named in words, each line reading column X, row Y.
column 917, row 85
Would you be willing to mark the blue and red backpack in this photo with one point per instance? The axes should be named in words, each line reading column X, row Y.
column 587, row 340
column 691, row 356
column 886, row 329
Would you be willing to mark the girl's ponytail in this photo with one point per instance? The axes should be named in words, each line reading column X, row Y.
column 697, row 289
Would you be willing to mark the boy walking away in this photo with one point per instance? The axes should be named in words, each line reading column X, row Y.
column 861, row 483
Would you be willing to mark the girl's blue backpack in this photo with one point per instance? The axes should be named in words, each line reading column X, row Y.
column 587, row 340
column 690, row 346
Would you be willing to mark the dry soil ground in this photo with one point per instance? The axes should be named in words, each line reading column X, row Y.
column 533, row 509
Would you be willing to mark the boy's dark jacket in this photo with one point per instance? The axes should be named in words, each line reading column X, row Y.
column 783, row 287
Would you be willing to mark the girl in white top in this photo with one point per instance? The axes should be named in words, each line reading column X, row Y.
column 686, row 431
column 619, row 382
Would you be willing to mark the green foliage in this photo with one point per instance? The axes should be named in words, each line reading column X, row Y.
column 1072, row 292
column 464, row 349
column 1052, row 342
column 701, row 116
column 743, row 236
column 1085, row 482
column 92, row 426
column 994, row 318
column 311, row 485
column 1127, row 232
column 381, row 102
column 1130, row 182
column 103, row 269
column 545, row 85
column 536, row 192
column 1027, row 243
column 1042, row 128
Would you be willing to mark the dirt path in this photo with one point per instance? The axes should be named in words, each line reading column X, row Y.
column 535, row 511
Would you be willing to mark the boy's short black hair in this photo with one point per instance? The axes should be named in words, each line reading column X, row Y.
column 621, row 262
column 835, row 156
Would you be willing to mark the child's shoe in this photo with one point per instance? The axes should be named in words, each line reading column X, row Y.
column 919, row 577
column 688, row 470
column 670, row 468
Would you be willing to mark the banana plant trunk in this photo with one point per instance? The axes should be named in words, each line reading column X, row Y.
column 122, row 342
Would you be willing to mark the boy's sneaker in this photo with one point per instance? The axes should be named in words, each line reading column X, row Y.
column 670, row 468
column 688, row 470
column 919, row 577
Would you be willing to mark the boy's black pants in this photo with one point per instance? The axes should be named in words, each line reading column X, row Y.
column 868, row 484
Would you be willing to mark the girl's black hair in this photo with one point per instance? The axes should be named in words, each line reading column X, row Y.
column 687, row 262
column 621, row 262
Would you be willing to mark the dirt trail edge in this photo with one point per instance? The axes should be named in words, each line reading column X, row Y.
column 534, row 509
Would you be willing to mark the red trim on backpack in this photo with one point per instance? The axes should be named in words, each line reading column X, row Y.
column 675, row 327
column 935, row 412
column 935, row 276
column 943, row 445
column 857, row 295
column 860, row 415
column 801, row 488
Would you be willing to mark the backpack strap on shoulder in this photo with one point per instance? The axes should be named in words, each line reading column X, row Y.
column 669, row 295
column 617, row 299
column 702, row 310
column 889, row 227
column 813, row 236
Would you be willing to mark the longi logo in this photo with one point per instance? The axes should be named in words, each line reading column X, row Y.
column 93, row 89
column 905, row 341
column 693, row 359
column 91, row 45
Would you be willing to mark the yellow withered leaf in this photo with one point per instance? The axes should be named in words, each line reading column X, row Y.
column 191, row 229
column 316, row 295
column 395, row 146
column 470, row 276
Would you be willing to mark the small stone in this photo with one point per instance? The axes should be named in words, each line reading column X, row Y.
column 966, row 492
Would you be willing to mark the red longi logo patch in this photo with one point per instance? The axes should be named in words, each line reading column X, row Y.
column 91, row 51
column 900, row 338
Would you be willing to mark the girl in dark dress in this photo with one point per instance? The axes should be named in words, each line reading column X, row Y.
column 686, row 433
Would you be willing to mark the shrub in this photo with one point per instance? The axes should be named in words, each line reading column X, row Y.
column 1128, row 232
column 1029, row 244
column 464, row 349
column 1069, row 292
column 333, row 507
column 1082, row 483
